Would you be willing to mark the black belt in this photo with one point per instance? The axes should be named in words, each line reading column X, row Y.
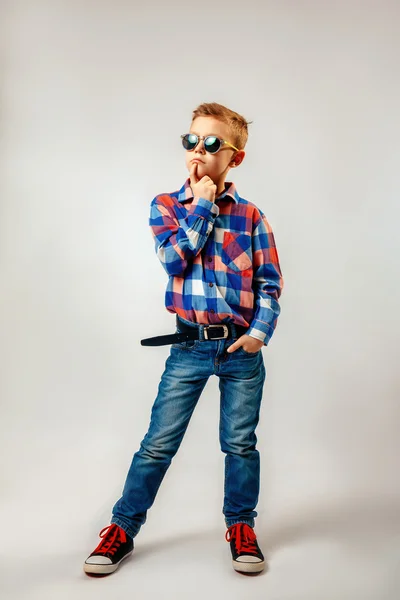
column 210, row 332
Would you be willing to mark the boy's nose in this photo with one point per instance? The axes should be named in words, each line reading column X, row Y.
column 200, row 146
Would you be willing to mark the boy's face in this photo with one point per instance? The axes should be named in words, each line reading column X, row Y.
column 217, row 165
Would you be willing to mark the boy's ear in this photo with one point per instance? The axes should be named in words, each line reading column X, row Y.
column 238, row 159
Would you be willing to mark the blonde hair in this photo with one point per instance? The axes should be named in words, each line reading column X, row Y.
column 237, row 124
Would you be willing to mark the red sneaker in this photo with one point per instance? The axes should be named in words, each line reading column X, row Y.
column 246, row 554
column 115, row 546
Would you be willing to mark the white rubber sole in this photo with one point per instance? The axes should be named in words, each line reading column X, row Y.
column 248, row 567
column 104, row 569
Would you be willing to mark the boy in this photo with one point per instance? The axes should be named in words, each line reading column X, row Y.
column 224, row 284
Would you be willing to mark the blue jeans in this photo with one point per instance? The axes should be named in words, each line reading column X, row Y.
column 187, row 370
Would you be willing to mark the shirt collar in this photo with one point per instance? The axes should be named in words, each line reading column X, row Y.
column 186, row 193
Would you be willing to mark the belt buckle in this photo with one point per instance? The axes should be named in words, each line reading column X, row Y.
column 224, row 327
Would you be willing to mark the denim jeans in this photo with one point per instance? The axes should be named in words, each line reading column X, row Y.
column 187, row 369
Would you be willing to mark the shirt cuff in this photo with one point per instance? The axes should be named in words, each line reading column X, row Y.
column 201, row 207
column 260, row 331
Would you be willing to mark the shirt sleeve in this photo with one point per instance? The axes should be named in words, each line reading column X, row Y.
column 178, row 241
column 267, row 282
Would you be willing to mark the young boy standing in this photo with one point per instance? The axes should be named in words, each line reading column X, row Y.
column 224, row 284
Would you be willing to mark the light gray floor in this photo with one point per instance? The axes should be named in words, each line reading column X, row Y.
column 339, row 553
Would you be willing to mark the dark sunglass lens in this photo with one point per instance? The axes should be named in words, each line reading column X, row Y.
column 212, row 144
column 189, row 141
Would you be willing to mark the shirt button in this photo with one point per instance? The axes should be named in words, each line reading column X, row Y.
column 210, row 284
column 212, row 310
column 209, row 259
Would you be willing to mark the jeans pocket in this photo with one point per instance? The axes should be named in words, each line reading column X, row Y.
column 241, row 350
column 236, row 251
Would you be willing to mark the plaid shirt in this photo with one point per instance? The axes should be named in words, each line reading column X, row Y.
column 221, row 260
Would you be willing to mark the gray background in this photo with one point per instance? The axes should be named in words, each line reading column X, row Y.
column 94, row 96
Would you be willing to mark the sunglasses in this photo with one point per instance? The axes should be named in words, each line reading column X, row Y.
column 212, row 144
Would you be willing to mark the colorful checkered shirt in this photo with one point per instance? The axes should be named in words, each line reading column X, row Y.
column 221, row 260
